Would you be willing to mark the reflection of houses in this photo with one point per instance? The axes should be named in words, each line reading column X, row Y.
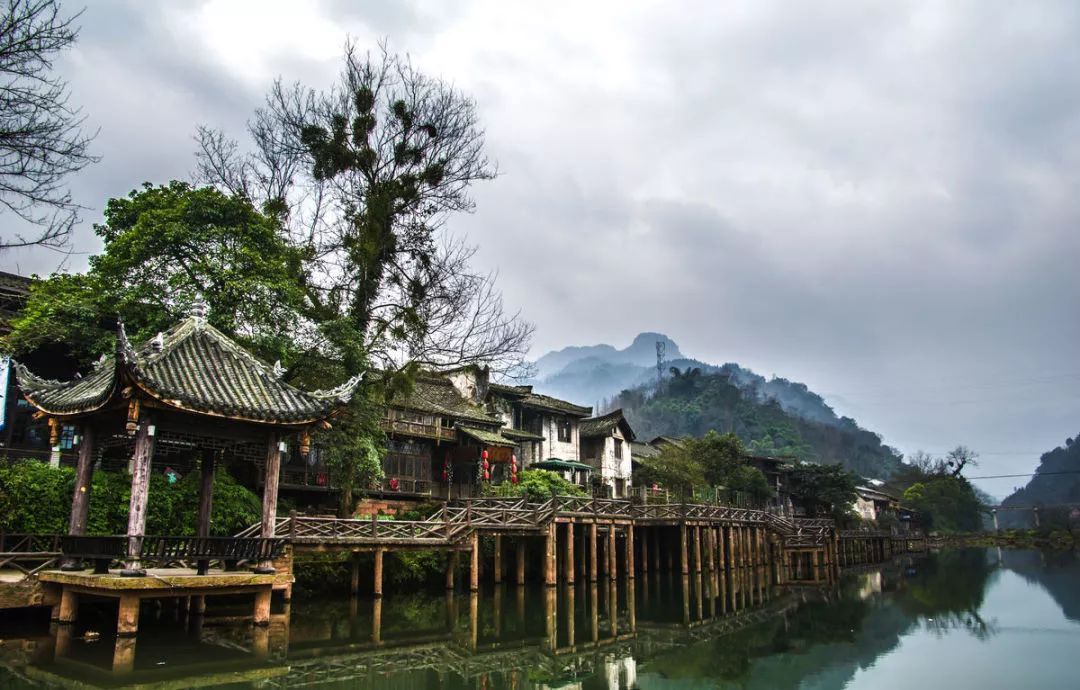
column 439, row 433
column 605, row 446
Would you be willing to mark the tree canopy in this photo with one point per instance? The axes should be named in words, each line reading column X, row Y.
column 823, row 490
column 715, row 460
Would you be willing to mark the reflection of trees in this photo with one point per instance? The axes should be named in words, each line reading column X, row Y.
column 1055, row 571
column 947, row 593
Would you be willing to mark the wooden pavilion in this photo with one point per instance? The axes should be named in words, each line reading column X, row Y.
column 192, row 393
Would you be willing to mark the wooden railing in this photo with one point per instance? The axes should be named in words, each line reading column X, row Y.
column 169, row 550
column 435, row 431
column 29, row 553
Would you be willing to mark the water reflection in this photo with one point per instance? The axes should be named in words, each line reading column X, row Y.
column 712, row 628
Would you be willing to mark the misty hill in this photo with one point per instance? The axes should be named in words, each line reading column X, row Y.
column 691, row 403
column 1049, row 486
column 593, row 374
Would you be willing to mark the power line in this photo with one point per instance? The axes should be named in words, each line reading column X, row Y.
column 1029, row 474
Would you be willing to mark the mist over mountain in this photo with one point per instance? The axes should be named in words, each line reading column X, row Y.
column 1056, row 482
column 772, row 416
column 594, row 374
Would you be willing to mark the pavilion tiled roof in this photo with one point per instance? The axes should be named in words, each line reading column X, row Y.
column 604, row 425
column 192, row 367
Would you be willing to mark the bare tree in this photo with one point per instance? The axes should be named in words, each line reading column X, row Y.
column 960, row 457
column 42, row 140
column 363, row 176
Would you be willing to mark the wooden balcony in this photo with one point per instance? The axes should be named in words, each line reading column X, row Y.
column 400, row 427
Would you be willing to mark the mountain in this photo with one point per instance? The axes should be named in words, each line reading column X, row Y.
column 772, row 416
column 1056, row 481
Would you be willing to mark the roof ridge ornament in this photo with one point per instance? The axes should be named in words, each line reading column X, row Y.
column 158, row 343
column 278, row 370
column 200, row 310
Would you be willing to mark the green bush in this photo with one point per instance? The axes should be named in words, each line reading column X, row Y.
column 536, row 485
column 36, row 498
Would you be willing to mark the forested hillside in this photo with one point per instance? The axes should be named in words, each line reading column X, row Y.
column 691, row 403
column 1056, row 481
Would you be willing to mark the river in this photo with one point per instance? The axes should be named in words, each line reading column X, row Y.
column 957, row 619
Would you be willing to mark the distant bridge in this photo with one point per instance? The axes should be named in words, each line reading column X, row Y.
column 1033, row 508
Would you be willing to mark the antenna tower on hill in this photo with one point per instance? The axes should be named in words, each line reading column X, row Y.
column 661, row 350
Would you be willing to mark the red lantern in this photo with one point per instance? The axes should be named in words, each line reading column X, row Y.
column 394, row 484
column 487, row 466
column 513, row 479
column 487, row 475
column 484, row 455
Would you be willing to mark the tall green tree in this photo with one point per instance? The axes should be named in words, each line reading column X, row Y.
column 164, row 248
column 823, row 490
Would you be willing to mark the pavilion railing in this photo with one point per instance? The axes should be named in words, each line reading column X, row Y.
column 29, row 553
column 169, row 550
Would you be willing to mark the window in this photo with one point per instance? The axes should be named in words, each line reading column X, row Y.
column 618, row 449
column 564, row 430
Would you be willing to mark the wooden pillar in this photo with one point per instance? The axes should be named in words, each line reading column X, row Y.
column 550, row 575
column 451, row 568
column 354, row 573
column 569, row 560
column 498, row 565
column 630, row 552
column 206, row 500
column 643, row 537
column 140, row 490
column 69, row 606
column 654, row 544
column 376, row 620
column 127, row 619
column 378, row 571
column 474, row 562
column 612, row 562
column 697, row 549
column 80, row 501
column 684, row 550
column 270, row 495
column 592, row 552
column 262, row 606
column 519, row 572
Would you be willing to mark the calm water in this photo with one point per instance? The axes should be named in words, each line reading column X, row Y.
column 960, row 619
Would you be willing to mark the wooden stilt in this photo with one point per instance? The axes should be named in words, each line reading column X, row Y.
column 643, row 537
column 550, row 555
column 69, row 606
column 569, row 560
column 127, row 619
column 498, row 565
column 474, row 562
column 630, row 551
column 697, row 549
column 262, row 606
column 378, row 572
column 683, row 550
column 593, row 547
column 451, row 568
column 612, row 562
column 519, row 571
column 354, row 573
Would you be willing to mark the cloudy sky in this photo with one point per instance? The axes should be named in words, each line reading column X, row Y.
column 878, row 199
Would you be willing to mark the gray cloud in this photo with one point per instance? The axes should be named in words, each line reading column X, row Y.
column 877, row 200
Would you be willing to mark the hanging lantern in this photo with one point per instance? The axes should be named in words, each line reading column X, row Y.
column 484, row 455
column 486, row 465
column 487, row 475
column 513, row 463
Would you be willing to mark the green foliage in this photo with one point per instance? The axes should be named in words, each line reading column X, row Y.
column 945, row 504
column 172, row 509
column 536, row 485
column 165, row 247
column 353, row 448
column 823, row 490
column 714, row 460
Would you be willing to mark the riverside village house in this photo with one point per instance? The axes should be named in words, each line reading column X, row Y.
column 441, row 434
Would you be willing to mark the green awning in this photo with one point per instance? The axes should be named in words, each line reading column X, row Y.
column 486, row 437
column 560, row 465
column 521, row 435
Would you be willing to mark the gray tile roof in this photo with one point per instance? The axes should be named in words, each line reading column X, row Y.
column 604, row 425
column 193, row 367
column 546, row 402
column 437, row 395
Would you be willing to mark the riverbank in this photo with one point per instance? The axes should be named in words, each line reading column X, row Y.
column 1053, row 539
